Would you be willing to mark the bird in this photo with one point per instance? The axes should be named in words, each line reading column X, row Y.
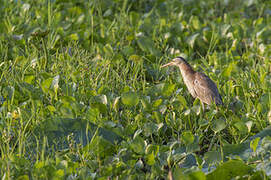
column 198, row 84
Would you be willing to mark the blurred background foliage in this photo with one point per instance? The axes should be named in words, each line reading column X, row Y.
column 82, row 94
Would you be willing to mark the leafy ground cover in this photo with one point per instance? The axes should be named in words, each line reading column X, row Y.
column 83, row 96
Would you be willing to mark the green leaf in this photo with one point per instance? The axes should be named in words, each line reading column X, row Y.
column 230, row 170
column 195, row 22
column 212, row 157
column 168, row 89
column 135, row 58
column 157, row 103
column 218, row 125
column 151, row 159
column 254, row 143
column 188, row 137
column 130, row 99
column 241, row 126
column 46, row 84
column 138, row 145
column 29, row 78
column 146, row 44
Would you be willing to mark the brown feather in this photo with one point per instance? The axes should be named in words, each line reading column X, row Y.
column 198, row 84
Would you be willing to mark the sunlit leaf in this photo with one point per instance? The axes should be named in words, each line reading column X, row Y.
column 230, row 169
column 130, row 99
column 168, row 89
column 187, row 137
column 150, row 159
column 254, row 144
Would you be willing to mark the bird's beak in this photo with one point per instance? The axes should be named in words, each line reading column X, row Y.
column 168, row 64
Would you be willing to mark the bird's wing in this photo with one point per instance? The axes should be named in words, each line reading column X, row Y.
column 206, row 89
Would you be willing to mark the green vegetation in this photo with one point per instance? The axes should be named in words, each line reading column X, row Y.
column 82, row 94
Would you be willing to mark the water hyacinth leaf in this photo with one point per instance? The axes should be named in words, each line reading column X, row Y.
column 74, row 37
column 130, row 99
column 230, row 170
column 146, row 105
column 168, row 89
column 212, row 157
column 51, row 108
column 100, row 106
column 135, row 58
column 46, row 84
column 68, row 100
column 218, row 125
column 254, row 144
column 182, row 100
column 191, row 39
column 197, row 175
column 157, row 103
column 29, row 78
column 147, row 45
column 195, row 22
column 241, row 126
column 138, row 145
column 187, row 137
column 151, row 159
column 128, row 50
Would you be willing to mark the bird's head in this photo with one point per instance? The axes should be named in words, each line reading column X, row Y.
column 176, row 62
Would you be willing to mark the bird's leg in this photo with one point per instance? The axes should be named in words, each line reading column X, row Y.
column 202, row 105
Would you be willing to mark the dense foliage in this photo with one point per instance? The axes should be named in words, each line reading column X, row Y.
column 82, row 94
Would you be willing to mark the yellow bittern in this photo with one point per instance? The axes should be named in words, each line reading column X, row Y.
column 198, row 84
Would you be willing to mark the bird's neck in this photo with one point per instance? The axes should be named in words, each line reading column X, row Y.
column 186, row 69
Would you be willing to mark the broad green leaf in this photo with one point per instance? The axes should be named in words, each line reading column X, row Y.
column 218, row 125
column 151, row 159
column 187, row 137
column 157, row 103
column 74, row 37
column 135, row 58
column 23, row 177
column 146, row 105
column 197, row 175
column 195, row 22
column 29, row 78
column 130, row 99
column 51, row 108
column 212, row 157
column 146, row 44
column 46, row 84
column 230, row 170
column 241, row 126
column 138, row 145
column 100, row 106
column 168, row 89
